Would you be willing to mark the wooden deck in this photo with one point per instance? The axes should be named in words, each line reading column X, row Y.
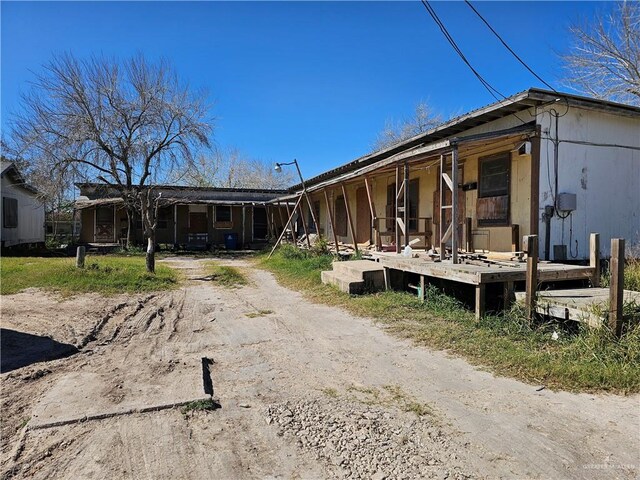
column 504, row 272
column 588, row 305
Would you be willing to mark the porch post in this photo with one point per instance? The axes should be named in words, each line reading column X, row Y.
column 331, row 222
column 396, row 210
column 175, row 224
column 406, row 203
column 244, row 216
column 454, row 204
column 349, row 219
column 535, row 183
column 441, row 229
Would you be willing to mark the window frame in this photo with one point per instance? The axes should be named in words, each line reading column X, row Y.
column 503, row 193
column 7, row 202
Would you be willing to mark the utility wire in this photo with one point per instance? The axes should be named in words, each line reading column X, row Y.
column 524, row 64
column 490, row 88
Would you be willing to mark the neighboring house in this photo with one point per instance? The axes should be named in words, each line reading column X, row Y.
column 187, row 216
column 22, row 211
column 539, row 162
column 556, row 165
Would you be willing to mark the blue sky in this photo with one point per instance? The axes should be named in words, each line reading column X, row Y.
column 308, row 80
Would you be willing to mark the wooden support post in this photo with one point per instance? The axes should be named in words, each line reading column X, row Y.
column 269, row 222
column 442, row 229
column 290, row 222
column 515, row 238
column 374, row 217
column 331, row 222
column 616, row 288
column 532, row 275
column 468, row 235
column 283, row 230
column 480, row 301
column 423, row 294
column 282, row 225
column 534, row 212
column 508, row 294
column 396, row 212
column 304, row 225
column 594, row 258
column 80, row 253
column 405, row 201
column 454, row 204
column 349, row 219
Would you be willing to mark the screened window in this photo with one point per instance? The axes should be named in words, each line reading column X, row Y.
column 223, row 214
column 9, row 212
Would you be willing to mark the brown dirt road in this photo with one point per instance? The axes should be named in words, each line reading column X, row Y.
column 306, row 391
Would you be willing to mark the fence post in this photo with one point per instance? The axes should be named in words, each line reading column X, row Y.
column 532, row 275
column 594, row 258
column 80, row 257
column 616, row 287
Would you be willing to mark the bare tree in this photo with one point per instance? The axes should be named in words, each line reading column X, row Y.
column 126, row 124
column 604, row 61
column 423, row 119
column 229, row 168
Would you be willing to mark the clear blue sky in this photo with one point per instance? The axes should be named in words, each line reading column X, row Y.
column 308, row 80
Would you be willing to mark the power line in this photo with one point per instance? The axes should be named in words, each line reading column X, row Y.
column 490, row 88
column 524, row 64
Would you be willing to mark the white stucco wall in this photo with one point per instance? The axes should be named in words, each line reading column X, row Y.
column 30, row 227
column 605, row 179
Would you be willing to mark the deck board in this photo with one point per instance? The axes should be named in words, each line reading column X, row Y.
column 588, row 305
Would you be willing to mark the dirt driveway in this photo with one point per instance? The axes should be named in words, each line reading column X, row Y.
column 305, row 390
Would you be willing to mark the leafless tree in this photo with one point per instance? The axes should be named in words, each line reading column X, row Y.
column 229, row 168
column 604, row 60
column 423, row 119
column 127, row 124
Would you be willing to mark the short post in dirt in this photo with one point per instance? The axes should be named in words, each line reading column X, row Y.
column 80, row 253
column 616, row 285
column 531, row 246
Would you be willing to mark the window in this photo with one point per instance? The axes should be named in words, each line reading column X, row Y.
column 494, row 190
column 341, row 217
column 223, row 214
column 9, row 212
column 164, row 214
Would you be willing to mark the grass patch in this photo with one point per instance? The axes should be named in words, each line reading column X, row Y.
column 631, row 275
column 200, row 406
column 389, row 396
column 581, row 359
column 225, row 275
column 108, row 275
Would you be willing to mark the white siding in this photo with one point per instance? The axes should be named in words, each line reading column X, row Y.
column 605, row 179
column 30, row 227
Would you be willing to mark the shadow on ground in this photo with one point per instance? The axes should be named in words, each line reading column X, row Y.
column 19, row 349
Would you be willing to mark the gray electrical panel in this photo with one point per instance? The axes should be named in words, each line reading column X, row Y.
column 566, row 202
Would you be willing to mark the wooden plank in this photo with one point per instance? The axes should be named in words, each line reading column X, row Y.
column 447, row 180
column 406, row 202
column 423, row 294
column 616, row 285
column 331, row 222
column 594, row 258
column 532, row 276
column 480, row 301
column 290, row 221
column 468, row 235
column 282, row 225
column 397, row 211
column 441, row 242
column 454, row 204
column 447, row 235
column 349, row 219
column 534, row 175
column 400, row 224
column 515, row 238
column 304, row 225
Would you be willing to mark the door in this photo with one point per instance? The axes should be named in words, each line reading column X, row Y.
column 198, row 232
column 363, row 216
column 260, row 227
column 105, row 231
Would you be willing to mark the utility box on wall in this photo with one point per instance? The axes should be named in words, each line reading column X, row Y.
column 566, row 202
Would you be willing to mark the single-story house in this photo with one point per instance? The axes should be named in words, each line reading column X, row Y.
column 187, row 216
column 556, row 165
column 22, row 214
column 543, row 163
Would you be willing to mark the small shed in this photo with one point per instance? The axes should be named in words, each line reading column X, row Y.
column 22, row 213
